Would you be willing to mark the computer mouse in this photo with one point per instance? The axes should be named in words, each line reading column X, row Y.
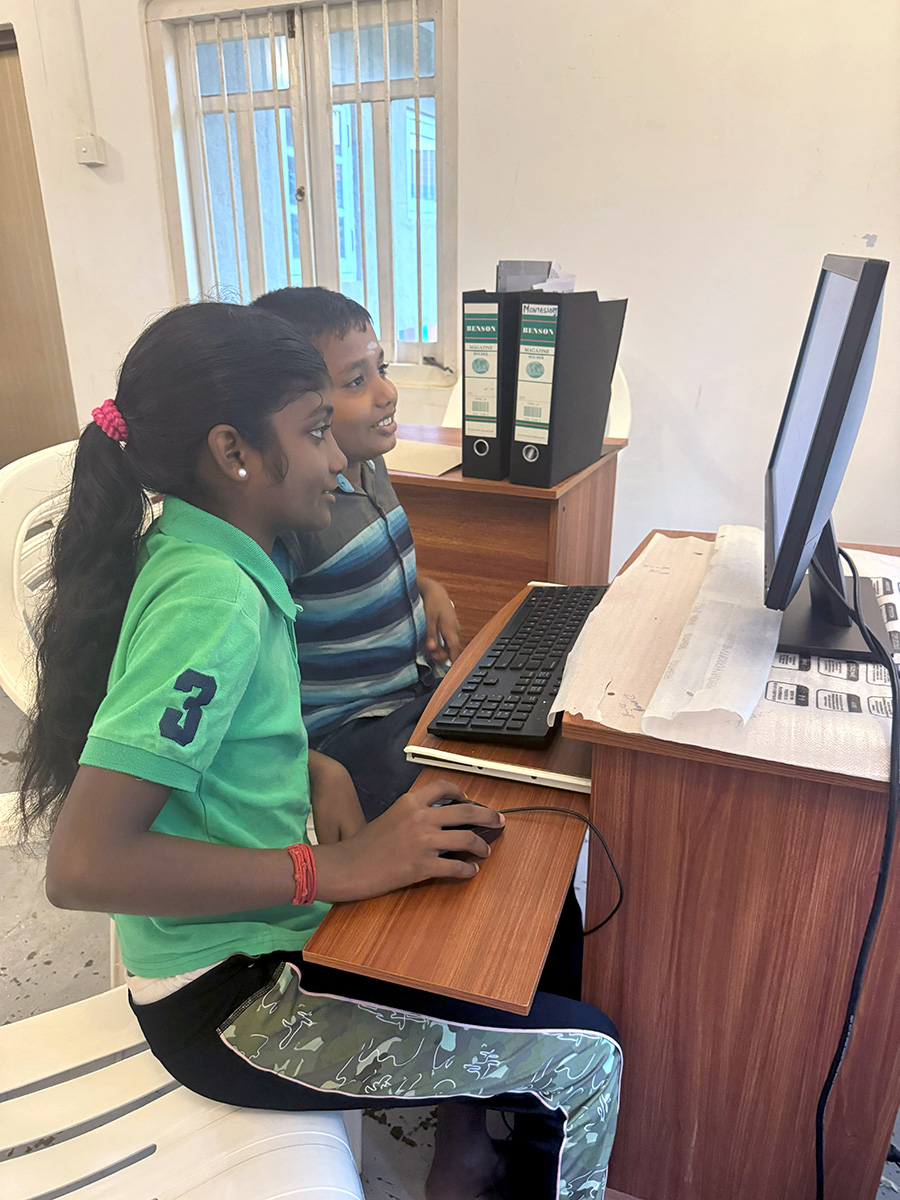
column 488, row 833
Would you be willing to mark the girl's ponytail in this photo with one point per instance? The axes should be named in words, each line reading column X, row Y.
column 93, row 568
column 196, row 367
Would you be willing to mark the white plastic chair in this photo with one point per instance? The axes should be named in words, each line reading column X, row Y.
column 78, row 1084
column 33, row 493
column 86, row 1108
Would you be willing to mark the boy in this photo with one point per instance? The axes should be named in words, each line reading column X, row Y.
column 370, row 629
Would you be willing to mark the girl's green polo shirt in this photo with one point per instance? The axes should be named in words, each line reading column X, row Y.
column 204, row 698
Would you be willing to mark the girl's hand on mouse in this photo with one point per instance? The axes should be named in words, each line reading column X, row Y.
column 403, row 846
column 337, row 815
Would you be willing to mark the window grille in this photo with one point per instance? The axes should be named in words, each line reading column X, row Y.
column 311, row 145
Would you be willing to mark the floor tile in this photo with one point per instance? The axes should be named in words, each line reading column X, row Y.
column 50, row 957
column 397, row 1147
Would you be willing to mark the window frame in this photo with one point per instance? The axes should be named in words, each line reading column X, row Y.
column 181, row 161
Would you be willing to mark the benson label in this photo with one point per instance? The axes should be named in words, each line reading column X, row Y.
column 534, row 383
column 481, row 326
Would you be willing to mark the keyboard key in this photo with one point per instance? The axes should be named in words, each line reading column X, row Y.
column 487, row 725
column 492, row 682
column 516, row 725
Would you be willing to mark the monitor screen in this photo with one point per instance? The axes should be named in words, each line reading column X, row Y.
column 821, row 417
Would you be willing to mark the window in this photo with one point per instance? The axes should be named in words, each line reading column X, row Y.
column 313, row 145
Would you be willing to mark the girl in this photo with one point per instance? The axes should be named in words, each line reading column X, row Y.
column 167, row 751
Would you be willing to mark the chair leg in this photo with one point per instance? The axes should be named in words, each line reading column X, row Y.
column 353, row 1125
column 116, row 966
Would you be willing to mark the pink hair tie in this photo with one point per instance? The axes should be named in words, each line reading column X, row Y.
column 111, row 421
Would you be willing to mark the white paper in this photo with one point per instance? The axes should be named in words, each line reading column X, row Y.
column 721, row 664
column 606, row 681
column 600, row 680
column 557, row 281
column 422, row 458
column 814, row 712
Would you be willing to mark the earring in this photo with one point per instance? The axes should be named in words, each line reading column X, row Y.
column 242, row 474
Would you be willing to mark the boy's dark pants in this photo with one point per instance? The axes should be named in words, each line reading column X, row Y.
column 372, row 750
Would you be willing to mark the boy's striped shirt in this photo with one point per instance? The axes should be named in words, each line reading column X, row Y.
column 362, row 624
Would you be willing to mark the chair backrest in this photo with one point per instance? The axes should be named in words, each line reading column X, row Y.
column 34, row 492
column 618, row 421
column 33, row 495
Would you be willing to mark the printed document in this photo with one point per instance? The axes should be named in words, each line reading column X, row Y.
column 629, row 669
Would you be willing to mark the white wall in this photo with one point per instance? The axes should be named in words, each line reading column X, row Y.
column 105, row 224
column 699, row 158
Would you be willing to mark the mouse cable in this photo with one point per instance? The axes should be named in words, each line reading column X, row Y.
column 570, row 812
column 885, row 658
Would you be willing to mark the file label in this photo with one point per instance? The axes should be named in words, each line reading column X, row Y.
column 481, row 333
column 534, row 381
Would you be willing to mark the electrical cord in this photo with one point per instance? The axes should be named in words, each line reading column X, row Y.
column 569, row 812
column 885, row 658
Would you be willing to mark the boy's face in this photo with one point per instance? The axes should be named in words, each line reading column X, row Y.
column 364, row 398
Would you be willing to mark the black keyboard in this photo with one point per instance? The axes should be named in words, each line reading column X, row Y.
column 507, row 694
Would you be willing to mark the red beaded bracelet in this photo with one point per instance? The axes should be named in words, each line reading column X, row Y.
column 304, row 873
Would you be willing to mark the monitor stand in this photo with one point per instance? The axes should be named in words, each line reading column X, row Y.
column 814, row 622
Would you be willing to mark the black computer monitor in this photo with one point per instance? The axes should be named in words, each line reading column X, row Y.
column 821, row 418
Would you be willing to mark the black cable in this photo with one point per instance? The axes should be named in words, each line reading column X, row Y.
column 882, row 654
column 570, row 812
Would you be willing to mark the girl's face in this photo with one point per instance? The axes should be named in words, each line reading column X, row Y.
column 302, row 499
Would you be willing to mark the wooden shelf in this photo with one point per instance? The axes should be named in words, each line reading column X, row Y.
column 484, row 540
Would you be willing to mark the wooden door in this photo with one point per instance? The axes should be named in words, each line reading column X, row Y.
column 37, row 408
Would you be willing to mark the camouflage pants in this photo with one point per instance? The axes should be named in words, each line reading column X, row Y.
column 354, row 1052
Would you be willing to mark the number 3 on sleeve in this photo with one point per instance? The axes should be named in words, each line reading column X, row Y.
column 181, row 726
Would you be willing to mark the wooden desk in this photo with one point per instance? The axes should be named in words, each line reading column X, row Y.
column 485, row 540
column 747, row 888
column 485, row 939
